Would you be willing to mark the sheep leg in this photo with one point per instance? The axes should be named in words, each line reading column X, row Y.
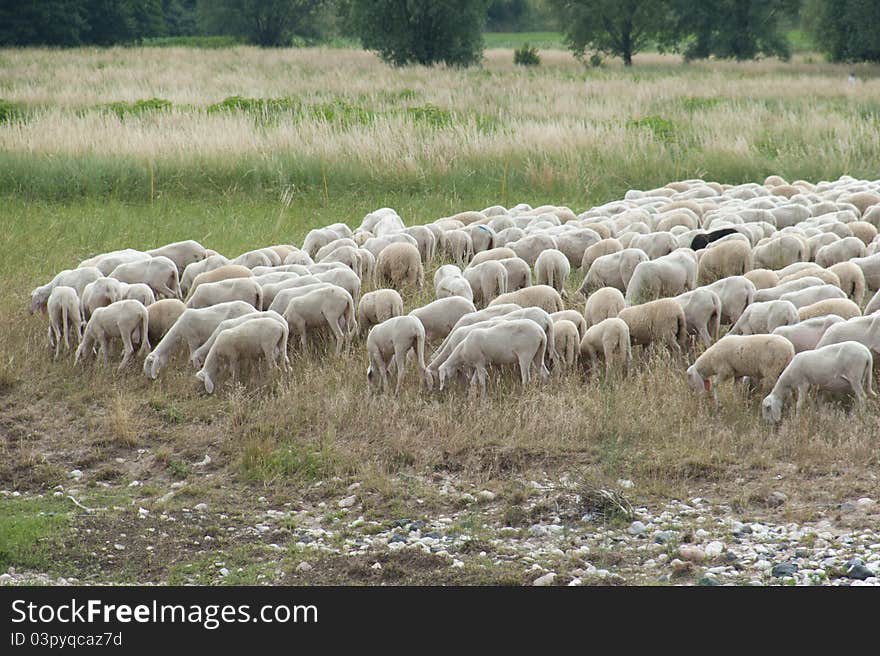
column 234, row 368
column 127, row 349
column 400, row 364
column 524, row 368
column 801, row 397
column 337, row 332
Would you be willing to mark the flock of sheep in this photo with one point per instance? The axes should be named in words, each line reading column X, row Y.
column 787, row 267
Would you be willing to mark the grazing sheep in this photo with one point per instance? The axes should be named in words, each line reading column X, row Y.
column 106, row 262
column 64, row 316
column 182, row 253
column 193, row 326
column 199, row 356
column 141, row 293
column 377, row 307
column 303, row 286
column 804, row 335
column 613, row 270
column 704, row 239
column 487, row 280
column 100, row 293
column 235, row 289
column 873, row 305
column 317, row 238
column 127, row 320
column 764, row 317
column 814, row 271
column 566, row 342
column 863, row 230
column 812, row 295
column 283, row 250
column 482, row 237
column 870, row 267
column 607, row 337
column 454, row 285
column 575, row 317
column 400, row 264
column 332, row 306
column 75, row 278
column 258, row 337
column 426, row 242
column 702, row 311
column 779, row 252
column 191, row 271
column 836, row 368
column 552, row 269
column 519, row 275
column 759, row 357
column 597, row 250
column 159, row 273
column 842, row 307
column 441, row 315
column 864, row 330
column 223, row 272
column 775, row 293
column 501, row 253
column 531, row 246
column 472, row 318
column 603, row 304
column 457, row 244
column 731, row 258
column 842, row 250
column 327, row 249
column 162, row 315
column 542, row 296
column 518, row 341
column 661, row 322
column 665, row 276
column 850, row 279
column 762, row 278
column 389, row 343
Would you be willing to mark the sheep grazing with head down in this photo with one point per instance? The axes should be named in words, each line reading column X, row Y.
column 765, row 317
column 542, row 296
column 657, row 322
column 519, row 275
column 613, row 270
column 389, row 343
column 842, row 307
column 864, row 330
column 199, row 356
column 216, row 274
column 575, row 317
column 101, row 293
column 159, row 273
column 837, row 368
column 487, row 280
column 162, row 315
column 377, row 307
column 223, row 291
column 608, row 337
column 182, row 253
column 499, row 253
column 850, row 279
column 669, row 275
column 730, row 258
column 519, row 341
column 552, row 268
column 333, row 307
column 400, row 265
column 603, row 304
column 448, row 281
column 566, row 340
column 805, row 335
column 127, row 320
column 262, row 337
column 702, row 311
column 758, row 357
column 762, row 278
column 64, row 317
column 75, row 278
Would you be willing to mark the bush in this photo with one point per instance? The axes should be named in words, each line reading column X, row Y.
column 595, row 60
column 526, row 56
column 123, row 109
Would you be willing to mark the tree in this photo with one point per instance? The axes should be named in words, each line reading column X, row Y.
column 421, row 31
column 733, row 29
column 41, row 22
column 267, row 23
column 614, row 27
column 846, row 30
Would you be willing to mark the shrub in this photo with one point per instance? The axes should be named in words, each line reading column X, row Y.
column 526, row 56
column 663, row 128
column 138, row 107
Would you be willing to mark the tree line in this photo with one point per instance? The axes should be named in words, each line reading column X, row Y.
column 451, row 31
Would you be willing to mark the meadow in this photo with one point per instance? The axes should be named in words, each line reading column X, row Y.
column 242, row 147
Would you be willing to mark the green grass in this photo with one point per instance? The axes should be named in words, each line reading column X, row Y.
column 31, row 530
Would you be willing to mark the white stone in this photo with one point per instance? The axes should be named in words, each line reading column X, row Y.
column 545, row 580
column 303, row 567
column 75, row 474
column 714, row 549
column 347, row 502
column 201, row 507
column 486, row 495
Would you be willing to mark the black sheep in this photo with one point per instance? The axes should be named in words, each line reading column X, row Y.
column 703, row 240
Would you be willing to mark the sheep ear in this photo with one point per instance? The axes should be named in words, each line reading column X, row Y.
column 209, row 384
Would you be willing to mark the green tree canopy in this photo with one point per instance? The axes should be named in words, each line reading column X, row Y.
column 846, row 30
column 421, row 31
column 265, row 23
column 41, row 22
column 620, row 28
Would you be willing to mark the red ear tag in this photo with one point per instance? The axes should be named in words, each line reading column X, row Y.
column 706, row 384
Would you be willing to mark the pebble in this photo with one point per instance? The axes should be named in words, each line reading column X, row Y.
column 692, row 554
column 347, row 502
column 637, row 528
column 486, row 495
column 303, row 567
column 224, row 572
column 201, row 507
column 545, row 580
column 625, row 483
column 119, row 547
column 776, row 499
column 781, row 570
column 714, row 549
column 680, row 566
column 75, row 474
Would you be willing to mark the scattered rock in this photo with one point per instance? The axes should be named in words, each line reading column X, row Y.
column 708, row 580
column 545, row 580
column 201, row 507
column 692, row 554
column 625, row 483
column 781, row 570
column 776, row 499
column 486, row 495
column 347, row 502
column 714, row 549
column 75, row 474
column 119, row 547
column 681, row 566
column 637, row 528
column 224, row 572
column 305, row 567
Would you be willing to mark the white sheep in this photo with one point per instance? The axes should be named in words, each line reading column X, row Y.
column 298, row 257
column 261, row 337
column 762, row 278
column 162, row 315
column 552, row 268
column 182, row 253
column 613, row 270
column 668, row 275
column 604, row 303
column 531, row 246
column 723, row 259
column 193, row 326
column 498, row 253
column 139, row 292
column 850, row 279
column 575, row 317
column 75, row 278
column 702, row 311
column 333, row 307
column 870, row 266
column 654, row 244
column 426, row 242
column 400, row 264
column 127, row 320
column 840, row 251
column 441, row 315
column 482, row 236
column 100, row 293
column 600, row 248
column 566, row 342
column 159, row 273
column 487, row 280
column 519, row 275
column 216, row 274
column 377, row 307
column 836, row 368
column 389, row 343
column 454, row 285
column 661, row 322
column 191, row 271
column 222, row 291
column 458, row 246
column 779, row 252
column 812, row 295
column 764, row 317
column 258, row 257
column 519, row 341
column 796, row 285
column 608, row 337
column 200, row 355
column 864, row 330
column 106, row 262
column 64, row 317
column 472, row 318
column 542, row 296
column 805, row 335
column 842, row 307
column 758, row 357
column 873, row 305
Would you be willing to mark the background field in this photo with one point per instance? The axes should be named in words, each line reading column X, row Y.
column 241, row 147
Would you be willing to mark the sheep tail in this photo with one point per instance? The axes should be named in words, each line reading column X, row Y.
column 869, row 374
column 145, row 340
column 64, row 323
column 682, row 331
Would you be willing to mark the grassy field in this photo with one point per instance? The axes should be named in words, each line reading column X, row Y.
column 247, row 147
